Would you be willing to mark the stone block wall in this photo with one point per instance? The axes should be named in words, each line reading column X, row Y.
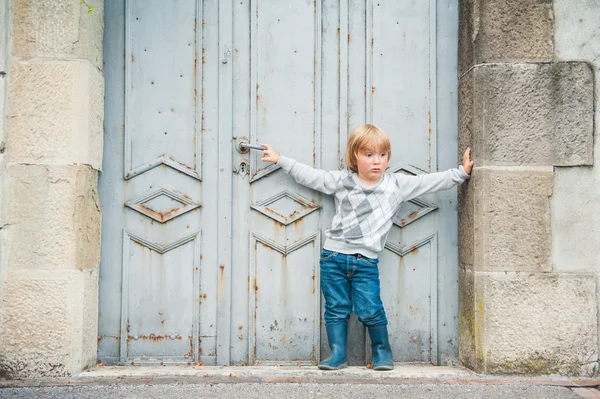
column 51, row 157
column 528, row 114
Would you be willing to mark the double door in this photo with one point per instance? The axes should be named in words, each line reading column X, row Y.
column 210, row 255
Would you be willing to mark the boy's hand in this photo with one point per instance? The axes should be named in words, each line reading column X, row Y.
column 269, row 155
column 467, row 163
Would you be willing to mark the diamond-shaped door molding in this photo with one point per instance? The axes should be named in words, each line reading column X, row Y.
column 256, row 174
column 162, row 160
column 412, row 211
column 285, row 207
column 405, row 250
column 162, row 205
column 415, row 208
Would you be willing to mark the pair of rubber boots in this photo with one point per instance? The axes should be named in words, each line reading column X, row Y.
column 380, row 345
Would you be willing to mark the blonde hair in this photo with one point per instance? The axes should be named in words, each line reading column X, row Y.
column 366, row 137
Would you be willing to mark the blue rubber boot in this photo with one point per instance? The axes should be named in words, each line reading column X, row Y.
column 337, row 336
column 380, row 345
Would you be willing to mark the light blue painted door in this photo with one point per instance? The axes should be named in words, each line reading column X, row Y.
column 210, row 255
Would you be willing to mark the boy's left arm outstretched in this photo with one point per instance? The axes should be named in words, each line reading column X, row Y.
column 414, row 186
column 320, row 180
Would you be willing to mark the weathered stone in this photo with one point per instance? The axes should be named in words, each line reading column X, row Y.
column 44, row 331
column 466, row 113
column 3, row 66
column 85, row 323
column 465, row 35
column 89, row 320
column 53, row 217
column 505, row 31
column 59, row 29
column 87, row 219
column 528, row 114
column 538, row 323
column 2, row 112
column 511, row 222
column 32, row 344
column 577, row 32
column 467, row 321
column 467, row 221
column 575, row 217
column 55, row 113
column 576, row 198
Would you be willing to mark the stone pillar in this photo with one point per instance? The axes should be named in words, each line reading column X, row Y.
column 51, row 211
column 4, row 26
column 523, row 114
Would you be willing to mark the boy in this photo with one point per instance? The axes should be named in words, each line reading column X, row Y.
column 366, row 200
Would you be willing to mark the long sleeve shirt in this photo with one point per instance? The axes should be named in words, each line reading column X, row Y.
column 363, row 215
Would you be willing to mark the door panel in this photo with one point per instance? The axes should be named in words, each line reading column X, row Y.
column 403, row 78
column 154, row 306
column 157, row 299
column 284, row 323
column 276, row 229
column 161, row 86
column 210, row 254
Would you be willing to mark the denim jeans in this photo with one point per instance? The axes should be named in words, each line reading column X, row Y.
column 348, row 280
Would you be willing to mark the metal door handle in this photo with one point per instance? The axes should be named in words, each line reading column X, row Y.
column 244, row 146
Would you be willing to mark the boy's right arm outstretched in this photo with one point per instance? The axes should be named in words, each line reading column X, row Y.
column 320, row 180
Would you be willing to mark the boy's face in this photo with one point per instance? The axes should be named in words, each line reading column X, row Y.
column 371, row 164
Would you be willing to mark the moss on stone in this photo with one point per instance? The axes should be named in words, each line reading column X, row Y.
column 536, row 365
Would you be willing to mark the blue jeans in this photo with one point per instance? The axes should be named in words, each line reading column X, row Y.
column 348, row 279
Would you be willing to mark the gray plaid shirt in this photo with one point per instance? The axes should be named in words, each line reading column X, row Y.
column 363, row 215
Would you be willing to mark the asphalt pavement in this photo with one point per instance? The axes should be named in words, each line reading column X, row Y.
column 291, row 390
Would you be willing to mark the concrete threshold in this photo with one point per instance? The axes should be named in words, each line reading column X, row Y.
column 269, row 373
column 401, row 375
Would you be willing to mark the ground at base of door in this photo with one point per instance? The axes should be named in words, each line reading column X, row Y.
column 402, row 374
